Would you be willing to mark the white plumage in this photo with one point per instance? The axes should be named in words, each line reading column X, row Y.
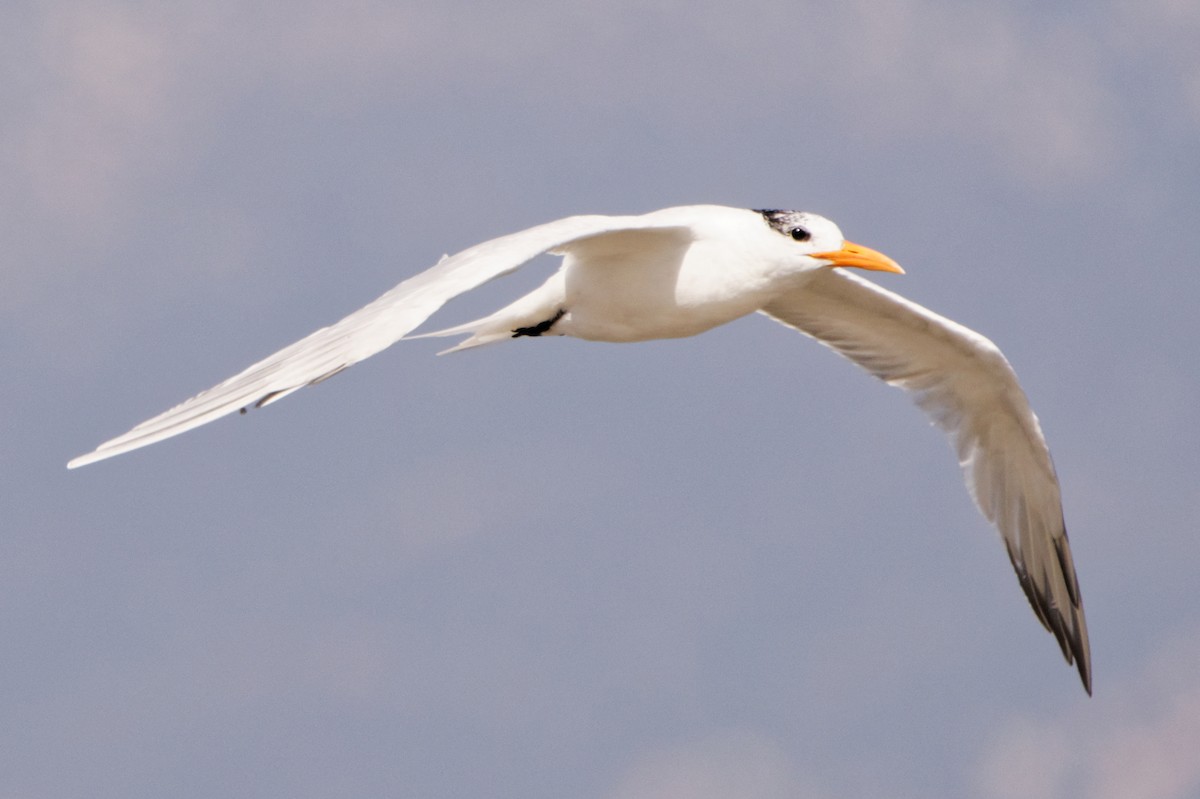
column 681, row 271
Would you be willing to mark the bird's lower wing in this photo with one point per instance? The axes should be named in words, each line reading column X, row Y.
column 370, row 329
column 969, row 390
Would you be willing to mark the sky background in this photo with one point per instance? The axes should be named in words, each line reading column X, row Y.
column 728, row 566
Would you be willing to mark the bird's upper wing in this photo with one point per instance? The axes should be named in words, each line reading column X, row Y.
column 370, row 329
column 968, row 388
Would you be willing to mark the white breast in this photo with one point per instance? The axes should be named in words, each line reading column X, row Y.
column 649, row 284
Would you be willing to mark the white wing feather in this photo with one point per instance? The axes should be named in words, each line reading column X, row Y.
column 368, row 330
column 963, row 382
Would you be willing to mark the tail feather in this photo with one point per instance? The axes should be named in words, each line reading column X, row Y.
column 528, row 311
column 481, row 332
column 478, row 340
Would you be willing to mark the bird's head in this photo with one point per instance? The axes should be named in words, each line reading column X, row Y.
column 821, row 242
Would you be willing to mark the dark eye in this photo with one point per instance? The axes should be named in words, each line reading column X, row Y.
column 800, row 234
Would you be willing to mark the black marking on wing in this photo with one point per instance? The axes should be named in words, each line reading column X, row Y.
column 265, row 398
column 1059, row 621
column 541, row 327
column 329, row 374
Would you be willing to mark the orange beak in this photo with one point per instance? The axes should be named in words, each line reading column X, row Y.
column 862, row 257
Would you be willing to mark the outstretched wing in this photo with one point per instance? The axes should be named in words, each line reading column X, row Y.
column 368, row 330
column 963, row 382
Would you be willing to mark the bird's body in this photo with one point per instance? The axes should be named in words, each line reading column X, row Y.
column 642, row 284
column 681, row 271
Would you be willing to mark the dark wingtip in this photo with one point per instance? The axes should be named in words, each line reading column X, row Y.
column 1077, row 634
column 1081, row 650
column 1069, row 627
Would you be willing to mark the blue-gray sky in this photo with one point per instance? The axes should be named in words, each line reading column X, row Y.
column 724, row 566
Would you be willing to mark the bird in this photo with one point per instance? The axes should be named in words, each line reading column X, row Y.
column 684, row 270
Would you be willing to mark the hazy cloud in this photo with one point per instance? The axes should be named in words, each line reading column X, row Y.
column 1138, row 740
column 123, row 93
column 726, row 764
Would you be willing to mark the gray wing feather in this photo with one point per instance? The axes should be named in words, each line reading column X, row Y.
column 962, row 380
